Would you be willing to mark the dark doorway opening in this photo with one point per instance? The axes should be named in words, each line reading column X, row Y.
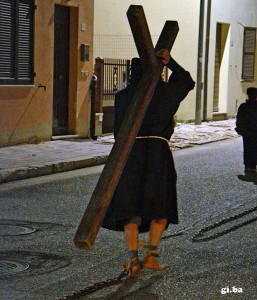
column 61, row 69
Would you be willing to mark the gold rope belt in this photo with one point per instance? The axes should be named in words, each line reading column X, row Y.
column 155, row 137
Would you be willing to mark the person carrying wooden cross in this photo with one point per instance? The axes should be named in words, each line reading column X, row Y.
column 145, row 198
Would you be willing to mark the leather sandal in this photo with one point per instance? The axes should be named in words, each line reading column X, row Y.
column 150, row 261
column 132, row 267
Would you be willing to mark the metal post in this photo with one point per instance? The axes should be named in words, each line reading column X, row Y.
column 97, row 96
column 206, row 61
column 199, row 84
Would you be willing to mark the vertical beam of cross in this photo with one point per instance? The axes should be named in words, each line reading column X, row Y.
column 104, row 190
column 142, row 37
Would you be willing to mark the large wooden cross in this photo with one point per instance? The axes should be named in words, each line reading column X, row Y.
column 152, row 67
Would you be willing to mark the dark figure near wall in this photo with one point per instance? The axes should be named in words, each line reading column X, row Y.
column 246, row 126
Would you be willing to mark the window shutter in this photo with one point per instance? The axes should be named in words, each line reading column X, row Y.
column 249, row 53
column 25, row 40
column 7, row 39
column 16, row 41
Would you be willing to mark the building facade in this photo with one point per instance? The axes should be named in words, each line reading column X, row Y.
column 46, row 66
column 216, row 43
column 48, row 49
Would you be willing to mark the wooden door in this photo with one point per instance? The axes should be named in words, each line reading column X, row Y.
column 61, row 70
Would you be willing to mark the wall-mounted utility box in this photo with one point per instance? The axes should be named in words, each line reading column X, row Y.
column 98, row 124
column 84, row 52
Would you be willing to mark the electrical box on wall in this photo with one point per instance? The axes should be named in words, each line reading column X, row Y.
column 84, row 52
column 83, row 27
column 98, row 124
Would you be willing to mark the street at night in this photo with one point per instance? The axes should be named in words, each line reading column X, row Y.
column 211, row 254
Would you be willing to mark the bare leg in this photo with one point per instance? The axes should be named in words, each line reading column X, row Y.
column 131, row 237
column 157, row 228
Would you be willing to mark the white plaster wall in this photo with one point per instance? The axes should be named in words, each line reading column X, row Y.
column 111, row 19
column 237, row 13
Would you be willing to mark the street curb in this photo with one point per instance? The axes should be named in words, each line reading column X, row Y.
column 51, row 168
column 35, row 170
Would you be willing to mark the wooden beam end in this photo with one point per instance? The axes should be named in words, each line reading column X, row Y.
column 167, row 36
column 134, row 10
column 84, row 245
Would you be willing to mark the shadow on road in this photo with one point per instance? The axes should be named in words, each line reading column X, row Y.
column 131, row 284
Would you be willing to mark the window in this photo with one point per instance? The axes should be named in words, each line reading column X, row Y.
column 249, row 53
column 16, row 42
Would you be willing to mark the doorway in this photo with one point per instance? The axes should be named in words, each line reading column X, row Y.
column 61, row 69
column 221, row 72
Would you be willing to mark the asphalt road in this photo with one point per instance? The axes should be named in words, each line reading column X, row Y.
column 211, row 254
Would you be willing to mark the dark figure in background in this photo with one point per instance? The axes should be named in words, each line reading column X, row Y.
column 246, row 125
column 146, row 198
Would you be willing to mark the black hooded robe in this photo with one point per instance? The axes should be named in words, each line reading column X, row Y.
column 246, row 125
column 147, row 187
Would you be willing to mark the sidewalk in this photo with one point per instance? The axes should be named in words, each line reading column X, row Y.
column 30, row 160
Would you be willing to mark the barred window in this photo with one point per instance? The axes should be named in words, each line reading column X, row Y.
column 16, row 42
column 249, row 53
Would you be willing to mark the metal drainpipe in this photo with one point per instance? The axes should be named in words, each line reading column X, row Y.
column 199, row 85
column 206, row 61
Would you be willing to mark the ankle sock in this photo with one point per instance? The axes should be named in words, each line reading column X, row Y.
column 132, row 254
column 151, row 247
